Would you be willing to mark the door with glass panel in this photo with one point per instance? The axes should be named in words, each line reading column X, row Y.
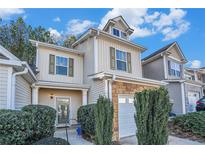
column 63, row 110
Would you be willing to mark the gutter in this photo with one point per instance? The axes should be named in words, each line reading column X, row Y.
column 13, row 86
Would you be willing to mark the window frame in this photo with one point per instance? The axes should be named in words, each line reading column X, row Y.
column 175, row 72
column 67, row 73
column 120, row 33
column 116, row 59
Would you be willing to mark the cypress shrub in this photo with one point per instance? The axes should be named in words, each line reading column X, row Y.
column 104, row 121
column 152, row 109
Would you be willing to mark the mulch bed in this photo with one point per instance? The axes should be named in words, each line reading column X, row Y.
column 175, row 130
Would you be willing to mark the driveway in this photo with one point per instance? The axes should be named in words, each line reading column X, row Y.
column 172, row 141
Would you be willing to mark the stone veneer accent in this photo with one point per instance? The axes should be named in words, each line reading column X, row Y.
column 123, row 88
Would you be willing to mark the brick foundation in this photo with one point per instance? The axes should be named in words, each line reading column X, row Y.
column 122, row 88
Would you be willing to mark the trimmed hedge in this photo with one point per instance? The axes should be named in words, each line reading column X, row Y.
column 43, row 119
column 52, row 141
column 191, row 122
column 86, row 118
column 31, row 124
column 15, row 127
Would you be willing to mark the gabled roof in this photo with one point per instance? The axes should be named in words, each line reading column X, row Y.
column 114, row 20
column 7, row 54
column 165, row 49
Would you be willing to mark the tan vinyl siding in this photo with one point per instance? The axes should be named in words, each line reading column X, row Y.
column 44, row 66
column 97, row 88
column 74, row 95
column 3, row 87
column 104, row 45
column 23, row 93
column 88, row 48
column 175, row 53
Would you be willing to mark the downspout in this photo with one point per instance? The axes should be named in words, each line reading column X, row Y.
column 13, row 86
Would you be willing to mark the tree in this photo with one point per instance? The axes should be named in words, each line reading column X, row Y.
column 69, row 41
column 152, row 110
column 103, row 121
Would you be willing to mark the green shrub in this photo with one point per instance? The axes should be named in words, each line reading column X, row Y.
column 152, row 109
column 104, row 121
column 43, row 121
column 86, row 118
column 15, row 127
column 191, row 122
column 52, row 141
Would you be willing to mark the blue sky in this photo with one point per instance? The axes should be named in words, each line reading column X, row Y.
column 154, row 28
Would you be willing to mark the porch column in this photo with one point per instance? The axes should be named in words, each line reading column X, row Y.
column 35, row 95
column 84, row 97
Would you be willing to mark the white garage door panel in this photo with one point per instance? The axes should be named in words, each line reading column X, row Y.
column 127, row 126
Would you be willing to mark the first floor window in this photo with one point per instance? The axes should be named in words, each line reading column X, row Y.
column 121, row 60
column 61, row 65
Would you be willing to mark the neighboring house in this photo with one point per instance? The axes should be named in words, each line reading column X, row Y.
column 103, row 62
column 16, row 78
column 167, row 64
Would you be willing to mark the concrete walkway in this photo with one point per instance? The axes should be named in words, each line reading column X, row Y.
column 73, row 138
column 172, row 141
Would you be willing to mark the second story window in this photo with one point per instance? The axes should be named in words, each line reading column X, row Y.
column 61, row 65
column 121, row 60
column 174, row 69
column 116, row 32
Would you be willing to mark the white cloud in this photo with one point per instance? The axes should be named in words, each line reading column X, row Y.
column 5, row 13
column 77, row 26
column 55, row 34
column 57, row 19
column 196, row 64
column 171, row 25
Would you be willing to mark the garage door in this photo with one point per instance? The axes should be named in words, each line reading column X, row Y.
column 127, row 126
column 193, row 97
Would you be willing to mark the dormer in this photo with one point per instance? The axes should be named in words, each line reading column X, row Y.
column 118, row 27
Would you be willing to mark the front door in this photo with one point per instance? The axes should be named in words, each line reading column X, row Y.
column 62, row 107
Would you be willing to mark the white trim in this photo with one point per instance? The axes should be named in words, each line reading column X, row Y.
column 10, row 62
column 37, row 52
column 8, row 54
column 127, row 79
column 35, row 93
column 106, row 88
column 110, row 89
column 84, row 97
column 9, row 88
column 95, row 54
column 165, row 67
column 173, row 58
column 60, row 48
column 55, row 104
column 183, row 98
column 193, row 84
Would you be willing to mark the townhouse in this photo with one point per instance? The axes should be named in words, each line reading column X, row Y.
column 101, row 62
column 167, row 64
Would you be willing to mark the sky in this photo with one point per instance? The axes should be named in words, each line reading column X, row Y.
column 153, row 28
